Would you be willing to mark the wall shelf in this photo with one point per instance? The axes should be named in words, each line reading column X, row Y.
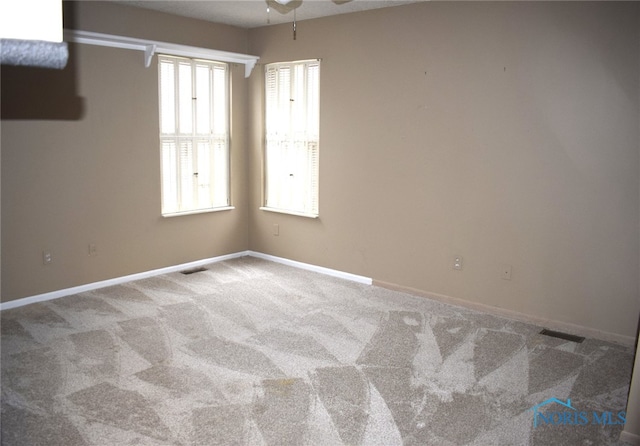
column 151, row 47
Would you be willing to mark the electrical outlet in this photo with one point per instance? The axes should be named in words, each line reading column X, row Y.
column 276, row 229
column 47, row 257
column 505, row 271
column 93, row 250
column 457, row 262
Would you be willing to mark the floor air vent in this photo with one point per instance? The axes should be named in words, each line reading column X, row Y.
column 194, row 270
column 561, row 335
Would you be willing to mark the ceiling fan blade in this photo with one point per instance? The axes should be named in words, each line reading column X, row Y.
column 283, row 6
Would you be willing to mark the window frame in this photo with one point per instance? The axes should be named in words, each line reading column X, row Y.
column 180, row 138
column 311, row 143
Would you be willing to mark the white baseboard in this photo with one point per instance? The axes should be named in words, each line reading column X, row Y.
column 628, row 437
column 116, row 281
column 547, row 323
column 171, row 269
column 314, row 268
column 568, row 327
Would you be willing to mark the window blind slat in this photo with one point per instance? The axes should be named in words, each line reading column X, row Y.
column 219, row 79
column 169, row 175
column 203, row 100
column 185, row 99
column 186, row 174
column 167, row 98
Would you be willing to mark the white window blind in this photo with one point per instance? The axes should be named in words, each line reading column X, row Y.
column 292, row 128
column 194, row 134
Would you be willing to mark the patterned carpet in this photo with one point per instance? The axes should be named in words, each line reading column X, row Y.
column 253, row 352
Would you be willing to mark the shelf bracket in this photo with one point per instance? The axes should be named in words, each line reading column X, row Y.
column 149, row 51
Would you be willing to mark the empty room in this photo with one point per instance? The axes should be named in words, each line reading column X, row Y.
column 321, row 222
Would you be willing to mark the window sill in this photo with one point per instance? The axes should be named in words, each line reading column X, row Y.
column 286, row 211
column 199, row 211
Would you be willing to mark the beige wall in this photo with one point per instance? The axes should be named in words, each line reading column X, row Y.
column 503, row 132
column 95, row 179
column 632, row 427
column 506, row 133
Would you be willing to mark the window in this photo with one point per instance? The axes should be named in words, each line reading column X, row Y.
column 194, row 135
column 292, row 125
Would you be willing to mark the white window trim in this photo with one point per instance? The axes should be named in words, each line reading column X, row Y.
column 194, row 136
column 285, row 210
column 199, row 211
column 151, row 47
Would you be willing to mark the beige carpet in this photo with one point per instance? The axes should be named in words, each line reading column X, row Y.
column 257, row 353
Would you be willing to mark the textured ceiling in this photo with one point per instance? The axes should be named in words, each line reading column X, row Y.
column 253, row 13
